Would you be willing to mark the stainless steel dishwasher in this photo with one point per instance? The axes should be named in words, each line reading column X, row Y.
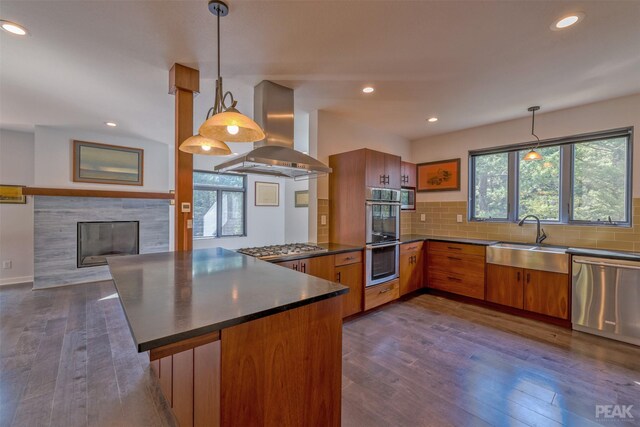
column 606, row 298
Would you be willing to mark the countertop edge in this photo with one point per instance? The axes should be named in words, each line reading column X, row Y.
column 174, row 338
column 315, row 254
column 604, row 253
column 410, row 238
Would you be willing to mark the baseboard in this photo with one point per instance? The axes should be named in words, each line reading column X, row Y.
column 15, row 280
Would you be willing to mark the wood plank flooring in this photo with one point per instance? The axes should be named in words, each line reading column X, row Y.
column 67, row 359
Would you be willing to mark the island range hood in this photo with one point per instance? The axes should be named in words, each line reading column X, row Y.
column 275, row 156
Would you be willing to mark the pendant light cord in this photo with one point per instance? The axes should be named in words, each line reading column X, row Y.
column 533, row 126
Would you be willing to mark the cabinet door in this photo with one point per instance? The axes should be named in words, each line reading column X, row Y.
column 408, row 174
column 546, row 293
column 352, row 276
column 418, row 272
column 375, row 169
column 407, row 272
column 321, row 267
column 393, row 170
column 293, row 265
column 505, row 285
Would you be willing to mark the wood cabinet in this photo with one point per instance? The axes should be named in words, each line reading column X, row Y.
column 547, row 293
column 411, row 267
column 408, row 175
column 532, row 290
column 457, row 268
column 344, row 268
column 321, row 266
column 382, row 170
column 383, row 293
column 504, row 285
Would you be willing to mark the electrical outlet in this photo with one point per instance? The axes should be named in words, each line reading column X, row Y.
column 459, row 218
column 423, row 217
column 6, row 264
column 323, row 220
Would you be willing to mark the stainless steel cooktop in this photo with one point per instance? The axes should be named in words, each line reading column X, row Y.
column 281, row 251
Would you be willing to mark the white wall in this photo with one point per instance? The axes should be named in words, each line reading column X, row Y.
column 611, row 114
column 53, row 158
column 265, row 224
column 16, row 221
column 338, row 135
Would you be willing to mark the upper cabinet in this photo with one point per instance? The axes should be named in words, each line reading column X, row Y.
column 382, row 170
column 408, row 175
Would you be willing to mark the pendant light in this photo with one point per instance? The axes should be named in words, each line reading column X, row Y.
column 198, row 144
column 533, row 154
column 224, row 122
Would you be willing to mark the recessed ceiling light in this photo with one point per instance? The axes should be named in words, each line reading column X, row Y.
column 368, row 89
column 567, row 21
column 432, row 119
column 111, row 124
column 13, row 28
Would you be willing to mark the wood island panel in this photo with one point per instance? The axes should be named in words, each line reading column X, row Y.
column 183, row 374
column 285, row 369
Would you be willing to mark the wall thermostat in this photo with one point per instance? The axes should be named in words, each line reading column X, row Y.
column 185, row 207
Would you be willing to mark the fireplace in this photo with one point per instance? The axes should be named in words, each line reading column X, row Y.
column 99, row 239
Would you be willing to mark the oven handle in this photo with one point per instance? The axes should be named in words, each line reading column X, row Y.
column 371, row 203
column 382, row 245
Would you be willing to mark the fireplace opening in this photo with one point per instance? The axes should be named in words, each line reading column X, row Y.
column 99, row 239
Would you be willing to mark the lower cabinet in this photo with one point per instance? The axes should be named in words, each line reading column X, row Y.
column 381, row 294
column 456, row 268
column 532, row 290
column 411, row 267
column 345, row 268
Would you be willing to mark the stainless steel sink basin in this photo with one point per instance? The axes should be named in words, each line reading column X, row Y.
column 535, row 257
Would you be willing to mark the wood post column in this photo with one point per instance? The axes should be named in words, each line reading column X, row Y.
column 183, row 83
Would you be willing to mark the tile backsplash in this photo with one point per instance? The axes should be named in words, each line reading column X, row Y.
column 440, row 220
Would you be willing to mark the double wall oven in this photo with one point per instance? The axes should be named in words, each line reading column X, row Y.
column 382, row 235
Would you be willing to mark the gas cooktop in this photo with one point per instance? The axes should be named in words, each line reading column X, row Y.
column 281, row 251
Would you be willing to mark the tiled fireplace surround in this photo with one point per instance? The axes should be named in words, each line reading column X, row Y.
column 440, row 220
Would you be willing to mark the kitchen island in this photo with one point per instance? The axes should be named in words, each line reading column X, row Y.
column 235, row 340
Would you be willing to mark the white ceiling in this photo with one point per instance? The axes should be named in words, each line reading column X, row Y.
column 467, row 62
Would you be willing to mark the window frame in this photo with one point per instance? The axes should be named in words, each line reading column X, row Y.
column 566, row 201
column 219, row 190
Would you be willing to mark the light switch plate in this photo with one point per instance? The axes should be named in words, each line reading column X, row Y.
column 323, row 220
column 6, row 264
column 459, row 218
column 189, row 223
column 423, row 217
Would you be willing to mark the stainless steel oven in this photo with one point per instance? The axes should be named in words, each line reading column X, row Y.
column 382, row 262
column 382, row 235
column 383, row 215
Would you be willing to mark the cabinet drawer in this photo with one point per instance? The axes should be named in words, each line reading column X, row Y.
column 467, row 265
column 348, row 258
column 471, row 286
column 413, row 247
column 381, row 294
column 459, row 248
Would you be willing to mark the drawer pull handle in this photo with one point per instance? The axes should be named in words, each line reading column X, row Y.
column 453, row 248
column 454, row 279
column 385, row 291
column 349, row 258
column 452, row 258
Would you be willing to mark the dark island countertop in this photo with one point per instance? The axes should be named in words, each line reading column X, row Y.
column 172, row 296
column 409, row 238
column 331, row 249
column 603, row 253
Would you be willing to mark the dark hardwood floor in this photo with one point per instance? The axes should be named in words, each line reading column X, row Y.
column 67, row 359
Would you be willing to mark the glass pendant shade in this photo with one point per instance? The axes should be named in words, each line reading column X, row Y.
column 532, row 155
column 231, row 126
column 197, row 144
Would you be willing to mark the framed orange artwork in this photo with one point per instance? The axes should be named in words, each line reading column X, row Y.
column 443, row 175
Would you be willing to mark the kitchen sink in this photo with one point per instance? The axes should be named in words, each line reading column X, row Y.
column 534, row 257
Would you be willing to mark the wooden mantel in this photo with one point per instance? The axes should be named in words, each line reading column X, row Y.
column 76, row 192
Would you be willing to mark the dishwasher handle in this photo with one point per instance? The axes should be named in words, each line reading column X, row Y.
column 591, row 261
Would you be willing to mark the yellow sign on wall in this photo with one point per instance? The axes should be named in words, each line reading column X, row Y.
column 12, row 194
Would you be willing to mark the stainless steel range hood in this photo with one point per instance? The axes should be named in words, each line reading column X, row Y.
column 275, row 156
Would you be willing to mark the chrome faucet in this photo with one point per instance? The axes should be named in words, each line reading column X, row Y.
column 540, row 234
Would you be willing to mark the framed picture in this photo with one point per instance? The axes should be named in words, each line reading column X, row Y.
column 107, row 164
column 443, row 175
column 302, row 199
column 12, row 194
column 267, row 194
